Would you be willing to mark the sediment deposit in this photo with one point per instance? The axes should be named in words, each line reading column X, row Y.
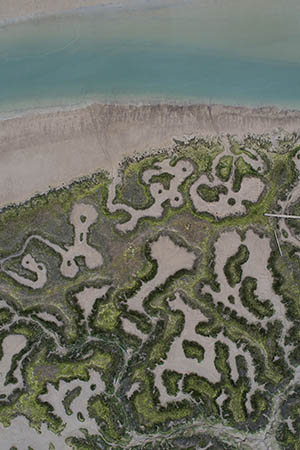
column 48, row 149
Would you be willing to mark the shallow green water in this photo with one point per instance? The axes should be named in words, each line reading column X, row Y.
column 219, row 51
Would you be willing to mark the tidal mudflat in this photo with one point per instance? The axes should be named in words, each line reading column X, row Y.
column 132, row 317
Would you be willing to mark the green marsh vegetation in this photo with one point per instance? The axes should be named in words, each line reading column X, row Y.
column 68, row 349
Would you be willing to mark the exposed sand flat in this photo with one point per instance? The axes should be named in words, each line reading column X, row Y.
column 226, row 246
column 21, row 436
column 170, row 259
column 260, row 251
column 49, row 318
column 87, row 297
column 63, row 145
column 131, row 328
column 250, row 190
column 12, row 9
column 256, row 266
column 221, row 399
column 293, row 197
column 11, row 345
column 176, row 359
column 135, row 387
column 79, row 404
column 180, row 172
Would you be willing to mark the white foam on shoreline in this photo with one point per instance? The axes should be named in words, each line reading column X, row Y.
column 264, row 109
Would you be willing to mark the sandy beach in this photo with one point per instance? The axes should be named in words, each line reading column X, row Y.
column 43, row 150
column 14, row 9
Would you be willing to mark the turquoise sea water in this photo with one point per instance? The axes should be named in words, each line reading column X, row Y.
column 217, row 51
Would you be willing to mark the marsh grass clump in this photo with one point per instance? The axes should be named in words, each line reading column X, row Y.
column 250, row 300
column 211, row 194
column 233, row 267
column 224, row 167
column 193, row 350
column 242, row 169
column 171, row 379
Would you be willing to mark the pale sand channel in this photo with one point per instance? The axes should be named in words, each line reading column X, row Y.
column 11, row 346
column 43, row 150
